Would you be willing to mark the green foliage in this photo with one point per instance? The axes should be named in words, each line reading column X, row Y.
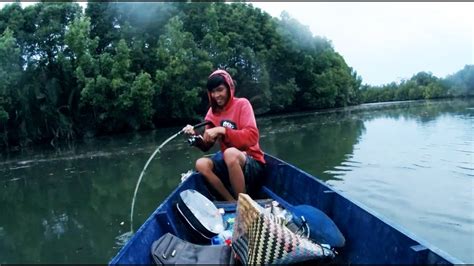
column 284, row 95
column 141, row 96
column 423, row 85
column 10, row 74
column 10, row 70
column 82, row 47
column 132, row 66
column 322, row 75
column 180, row 65
column 461, row 83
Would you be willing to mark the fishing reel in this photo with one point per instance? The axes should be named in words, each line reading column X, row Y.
column 194, row 139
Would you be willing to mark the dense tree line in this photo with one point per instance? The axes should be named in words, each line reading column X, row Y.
column 119, row 67
column 423, row 85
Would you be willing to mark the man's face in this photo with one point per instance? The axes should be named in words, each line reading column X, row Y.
column 220, row 95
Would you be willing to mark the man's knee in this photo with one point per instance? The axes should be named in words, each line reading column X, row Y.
column 204, row 165
column 233, row 156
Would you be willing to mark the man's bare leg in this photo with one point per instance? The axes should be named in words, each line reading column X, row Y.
column 235, row 161
column 204, row 166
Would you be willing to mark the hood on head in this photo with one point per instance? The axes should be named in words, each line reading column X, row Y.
column 230, row 84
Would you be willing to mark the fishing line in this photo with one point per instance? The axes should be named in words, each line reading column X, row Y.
column 125, row 236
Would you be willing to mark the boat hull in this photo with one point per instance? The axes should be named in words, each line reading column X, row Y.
column 370, row 237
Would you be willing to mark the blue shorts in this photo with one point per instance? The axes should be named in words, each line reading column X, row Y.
column 253, row 173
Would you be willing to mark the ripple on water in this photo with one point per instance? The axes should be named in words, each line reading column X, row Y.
column 458, row 173
column 421, row 166
column 14, row 179
column 20, row 167
column 406, row 167
column 465, row 168
column 343, row 168
column 122, row 239
column 465, row 151
column 443, row 221
column 351, row 164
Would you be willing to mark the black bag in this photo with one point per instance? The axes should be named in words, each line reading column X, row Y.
column 200, row 215
column 171, row 250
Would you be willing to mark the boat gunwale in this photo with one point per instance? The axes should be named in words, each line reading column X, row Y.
column 400, row 228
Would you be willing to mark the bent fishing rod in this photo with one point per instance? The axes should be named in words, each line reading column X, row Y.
column 204, row 123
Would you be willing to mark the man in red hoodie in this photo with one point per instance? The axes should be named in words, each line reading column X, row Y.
column 240, row 162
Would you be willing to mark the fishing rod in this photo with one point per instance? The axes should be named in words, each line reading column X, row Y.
column 205, row 122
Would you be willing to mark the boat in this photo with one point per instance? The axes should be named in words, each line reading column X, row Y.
column 370, row 237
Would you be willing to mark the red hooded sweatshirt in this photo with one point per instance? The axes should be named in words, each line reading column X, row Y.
column 239, row 120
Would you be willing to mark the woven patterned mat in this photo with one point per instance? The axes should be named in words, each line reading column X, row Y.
column 260, row 238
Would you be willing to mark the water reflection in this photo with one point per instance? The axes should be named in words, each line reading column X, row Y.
column 314, row 142
column 69, row 205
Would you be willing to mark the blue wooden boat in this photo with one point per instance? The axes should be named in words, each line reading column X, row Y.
column 370, row 238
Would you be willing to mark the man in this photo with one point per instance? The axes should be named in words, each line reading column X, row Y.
column 239, row 165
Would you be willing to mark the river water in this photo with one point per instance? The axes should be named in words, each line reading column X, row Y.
column 411, row 162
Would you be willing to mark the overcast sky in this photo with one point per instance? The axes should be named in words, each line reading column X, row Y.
column 387, row 42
